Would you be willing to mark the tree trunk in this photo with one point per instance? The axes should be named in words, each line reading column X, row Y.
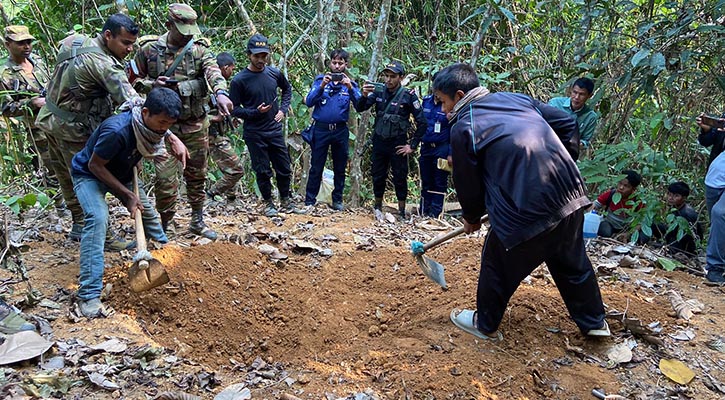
column 324, row 15
column 478, row 43
column 245, row 16
column 356, row 176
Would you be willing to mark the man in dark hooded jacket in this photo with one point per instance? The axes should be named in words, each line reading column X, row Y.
column 514, row 157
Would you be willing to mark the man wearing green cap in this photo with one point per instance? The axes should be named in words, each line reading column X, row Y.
column 23, row 78
column 87, row 84
column 394, row 104
column 178, row 61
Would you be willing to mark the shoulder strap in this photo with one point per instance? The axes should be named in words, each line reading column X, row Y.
column 77, row 50
column 394, row 99
column 178, row 59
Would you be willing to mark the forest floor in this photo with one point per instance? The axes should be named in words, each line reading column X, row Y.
column 341, row 310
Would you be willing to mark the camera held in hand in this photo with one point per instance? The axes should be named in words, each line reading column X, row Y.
column 337, row 76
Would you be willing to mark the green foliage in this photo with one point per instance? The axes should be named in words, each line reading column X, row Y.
column 18, row 204
column 656, row 64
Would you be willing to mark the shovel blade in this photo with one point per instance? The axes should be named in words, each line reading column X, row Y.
column 142, row 277
column 433, row 270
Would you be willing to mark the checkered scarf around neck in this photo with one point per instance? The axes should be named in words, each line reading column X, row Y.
column 149, row 143
column 470, row 96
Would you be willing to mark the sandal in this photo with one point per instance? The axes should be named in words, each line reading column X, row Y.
column 466, row 320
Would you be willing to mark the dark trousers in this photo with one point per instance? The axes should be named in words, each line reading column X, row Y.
column 324, row 140
column 659, row 230
column 263, row 150
column 434, row 181
column 562, row 248
column 384, row 159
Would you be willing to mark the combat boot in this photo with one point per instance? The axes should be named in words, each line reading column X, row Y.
column 117, row 243
column 167, row 223
column 198, row 227
column 401, row 208
column 75, row 232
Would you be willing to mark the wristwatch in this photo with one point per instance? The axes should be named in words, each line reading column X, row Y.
column 222, row 91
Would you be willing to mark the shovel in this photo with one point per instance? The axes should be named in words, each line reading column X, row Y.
column 432, row 268
column 146, row 272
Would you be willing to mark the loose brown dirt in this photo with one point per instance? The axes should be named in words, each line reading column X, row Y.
column 366, row 317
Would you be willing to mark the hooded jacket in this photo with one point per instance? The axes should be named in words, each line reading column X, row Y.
column 515, row 157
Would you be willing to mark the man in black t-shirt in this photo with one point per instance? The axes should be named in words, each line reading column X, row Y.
column 253, row 92
column 105, row 165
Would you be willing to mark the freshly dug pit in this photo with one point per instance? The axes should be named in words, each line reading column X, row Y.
column 367, row 319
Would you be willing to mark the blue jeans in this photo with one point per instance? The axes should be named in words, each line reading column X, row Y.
column 337, row 142
column 91, row 194
column 716, row 243
column 434, row 181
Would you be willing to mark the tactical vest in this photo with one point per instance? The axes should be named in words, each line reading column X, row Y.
column 192, row 87
column 89, row 107
column 391, row 121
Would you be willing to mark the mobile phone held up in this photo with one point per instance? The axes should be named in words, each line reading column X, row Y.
column 336, row 76
column 171, row 82
column 715, row 122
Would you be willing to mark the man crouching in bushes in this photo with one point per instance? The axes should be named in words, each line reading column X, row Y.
column 514, row 156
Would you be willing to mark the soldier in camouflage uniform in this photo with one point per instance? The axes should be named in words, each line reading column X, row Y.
column 88, row 80
column 178, row 61
column 220, row 148
column 23, row 78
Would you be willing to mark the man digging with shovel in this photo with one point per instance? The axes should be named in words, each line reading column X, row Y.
column 106, row 165
column 515, row 157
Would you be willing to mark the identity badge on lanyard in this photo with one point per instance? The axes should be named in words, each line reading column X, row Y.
column 437, row 127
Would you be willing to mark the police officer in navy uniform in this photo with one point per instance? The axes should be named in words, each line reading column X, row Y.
column 435, row 145
column 331, row 95
column 394, row 105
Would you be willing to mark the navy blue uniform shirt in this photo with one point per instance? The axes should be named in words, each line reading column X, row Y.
column 434, row 114
column 332, row 104
column 114, row 141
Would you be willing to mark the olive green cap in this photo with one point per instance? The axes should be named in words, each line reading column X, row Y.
column 18, row 33
column 184, row 18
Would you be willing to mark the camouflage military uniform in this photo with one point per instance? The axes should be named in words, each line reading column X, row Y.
column 21, row 87
column 197, row 67
column 225, row 157
column 80, row 97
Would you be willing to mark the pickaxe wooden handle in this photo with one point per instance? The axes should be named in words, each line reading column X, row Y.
column 448, row 236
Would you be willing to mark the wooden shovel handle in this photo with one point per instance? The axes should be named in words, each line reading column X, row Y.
column 140, row 234
column 448, row 236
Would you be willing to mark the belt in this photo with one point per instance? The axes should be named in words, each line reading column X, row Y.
column 330, row 127
column 434, row 144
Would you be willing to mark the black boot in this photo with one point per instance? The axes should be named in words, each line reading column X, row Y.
column 167, row 223
column 401, row 208
column 198, row 227
column 378, row 203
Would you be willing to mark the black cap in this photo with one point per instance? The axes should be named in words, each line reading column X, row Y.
column 395, row 66
column 258, row 44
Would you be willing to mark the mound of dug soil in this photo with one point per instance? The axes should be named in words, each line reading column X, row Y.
column 369, row 319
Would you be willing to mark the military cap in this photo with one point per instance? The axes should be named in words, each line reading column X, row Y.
column 395, row 67
column 184, row 17
column 258, row 44
column 18, row 33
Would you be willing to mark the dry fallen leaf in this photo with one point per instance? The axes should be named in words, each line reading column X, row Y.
column 684, row 309
column 23, row 346
column 676, row 371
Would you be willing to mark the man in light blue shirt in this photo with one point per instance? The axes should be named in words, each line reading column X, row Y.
column 714, row 189
column 576, row 105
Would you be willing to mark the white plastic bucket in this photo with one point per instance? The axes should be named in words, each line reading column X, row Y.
column 591, row 225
